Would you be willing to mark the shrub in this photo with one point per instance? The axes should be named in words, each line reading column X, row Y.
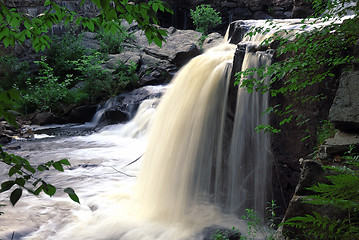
column 63, row 50
column 113, row 43
column 205, row 18
column 48, row 93
column 100, row 83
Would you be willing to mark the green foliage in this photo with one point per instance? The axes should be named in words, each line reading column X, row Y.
column 327, row 130
column 254, row 223
column 64, row 49
column 343, row 194
column 48, row 93
column 205, row 18
column 16, row 27
column 99, row 83
column 13, row 73
column 113, row 43
column 22, row 177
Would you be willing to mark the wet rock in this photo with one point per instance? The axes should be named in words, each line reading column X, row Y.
column 127, row 104
column 344, row 112
column 312, row 173
column 43, row 118
column 80, row 114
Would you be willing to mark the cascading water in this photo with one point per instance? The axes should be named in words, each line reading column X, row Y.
column 185, row 181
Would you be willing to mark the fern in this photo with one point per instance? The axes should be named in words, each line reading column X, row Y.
column 342, row 193
column 323, row 227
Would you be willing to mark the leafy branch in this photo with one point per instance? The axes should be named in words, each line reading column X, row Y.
column 16, row 27
column 23, row 176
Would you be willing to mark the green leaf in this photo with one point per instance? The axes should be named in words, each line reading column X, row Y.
column 65, row 162
column 48, row 189
column 105, row 4
column 20, row 181
column 13, row 170
column 47, row 3
column 38, row 190
column 157, row 41
column 15, row 196
column 72, row 194
column 97, row 2
column 42, row 168
column 58, row 166
column 6, row 186
column 90, row 25
column 29, row 168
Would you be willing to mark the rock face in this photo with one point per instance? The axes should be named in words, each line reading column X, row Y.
column 344, row 112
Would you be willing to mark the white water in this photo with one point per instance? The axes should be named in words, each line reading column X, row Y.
column 182, row 171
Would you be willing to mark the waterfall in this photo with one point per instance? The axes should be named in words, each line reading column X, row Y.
column 185, row 138
column 183, row 165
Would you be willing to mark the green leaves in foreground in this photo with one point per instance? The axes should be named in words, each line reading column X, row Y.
column 24, row 174
column 16, row 27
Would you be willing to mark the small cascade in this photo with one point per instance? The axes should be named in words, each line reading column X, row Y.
column 99, row 115
column 249, row 165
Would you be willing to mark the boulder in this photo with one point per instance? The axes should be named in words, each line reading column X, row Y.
column 180, row 46
column 153, row 71
column 212, row 40
column 43, row 118
column 80, row 114
column 344, row 112
column 89, row 41
column 126, row 104
column 128, row 57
